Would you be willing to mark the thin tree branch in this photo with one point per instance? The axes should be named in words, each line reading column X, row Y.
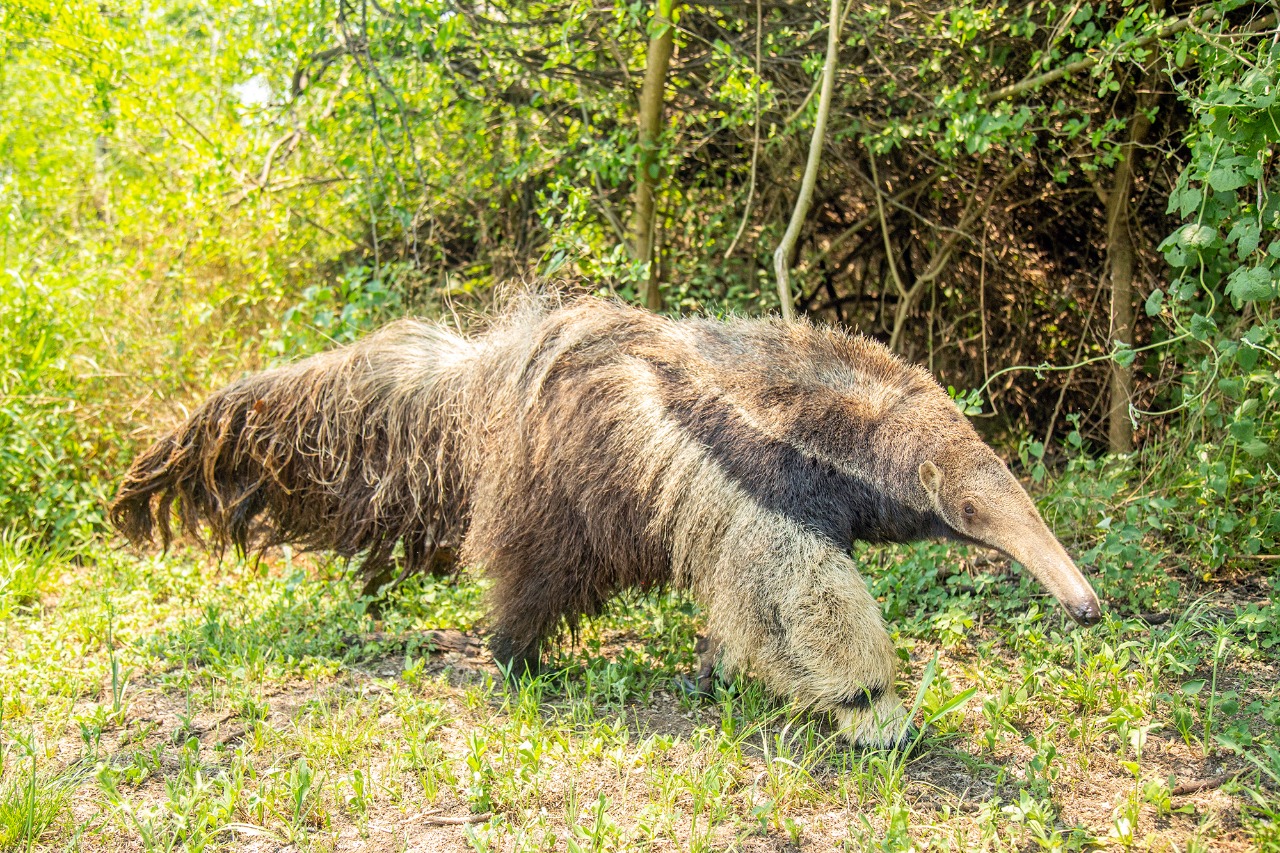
column 755, row 142
column 1015, row 89
column 782, row 256
column 813, row 90
column 843, row 237
column 884, row 229
column 1075, row 359
column 291, row 138
column 942, row 256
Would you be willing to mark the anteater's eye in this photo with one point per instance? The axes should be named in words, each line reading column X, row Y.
column 970, row 510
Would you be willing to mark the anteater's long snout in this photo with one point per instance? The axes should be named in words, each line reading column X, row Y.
column 1046, row 559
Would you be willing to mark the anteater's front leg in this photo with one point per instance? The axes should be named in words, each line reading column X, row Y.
column 880, row 722
column 847, row 661
column 803, row 620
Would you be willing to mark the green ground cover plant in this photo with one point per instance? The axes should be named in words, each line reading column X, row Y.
column 177, row 702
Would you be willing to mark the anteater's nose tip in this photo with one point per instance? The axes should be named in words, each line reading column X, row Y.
column 1088, row 613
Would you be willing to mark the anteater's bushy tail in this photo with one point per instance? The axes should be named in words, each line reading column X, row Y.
column 353, row 450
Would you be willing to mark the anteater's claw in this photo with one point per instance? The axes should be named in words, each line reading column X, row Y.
column 686, row 686
column 888, row 729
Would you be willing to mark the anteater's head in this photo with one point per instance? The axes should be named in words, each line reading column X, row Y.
column 982, row 503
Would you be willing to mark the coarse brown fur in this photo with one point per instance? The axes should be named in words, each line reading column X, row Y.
column 578, row 448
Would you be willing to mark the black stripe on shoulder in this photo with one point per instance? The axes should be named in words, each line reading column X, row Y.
column 781, row 478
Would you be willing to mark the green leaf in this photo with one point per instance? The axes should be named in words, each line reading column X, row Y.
column 1257, row 448
column 1174, row 254
column 1185, row 200
column 952, row 704
column 1202, row 327
column 1231, row 387
column 1227, row 178
column 1243, row 430
column 1246, row 234
column 1154, row 302
column 1251, row 284
column 1247, row 357
column 1229, row 743
column 1197, row 236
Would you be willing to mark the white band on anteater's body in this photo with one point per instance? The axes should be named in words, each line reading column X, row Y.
column 574, row 450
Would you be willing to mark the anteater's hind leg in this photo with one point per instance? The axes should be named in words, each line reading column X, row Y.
column 703, row 684
column 709, row 650
column 526, row 609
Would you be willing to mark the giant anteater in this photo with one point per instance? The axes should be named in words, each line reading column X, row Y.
column 579, row 447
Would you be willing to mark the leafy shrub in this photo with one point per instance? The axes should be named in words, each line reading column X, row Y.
column 25, row 566
column 339, row 311
column 48, row 482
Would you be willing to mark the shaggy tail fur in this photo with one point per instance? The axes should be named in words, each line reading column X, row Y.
column 352, row 451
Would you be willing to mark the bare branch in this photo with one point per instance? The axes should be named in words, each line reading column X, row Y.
column 782, row 256
column 755, row 143
column 884, row 228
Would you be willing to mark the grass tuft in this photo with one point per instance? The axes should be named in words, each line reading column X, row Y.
column 33, row 803
column 25, row 570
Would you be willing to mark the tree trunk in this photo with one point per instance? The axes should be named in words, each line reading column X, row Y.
column 661, row 43
column 1122, row 261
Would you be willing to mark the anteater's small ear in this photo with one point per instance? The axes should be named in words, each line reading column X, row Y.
column 931, row 478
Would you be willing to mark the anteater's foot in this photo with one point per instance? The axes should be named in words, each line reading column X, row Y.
column 683, row 685
column 709, row 675
column 884, row 725
column 383, row 577
column 910, row 738
column 516, row 661
column 702, row 689
column 373, row 589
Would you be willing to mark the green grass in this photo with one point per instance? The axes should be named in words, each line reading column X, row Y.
column 24, row 569
column 178, row 703
column 33, row 802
